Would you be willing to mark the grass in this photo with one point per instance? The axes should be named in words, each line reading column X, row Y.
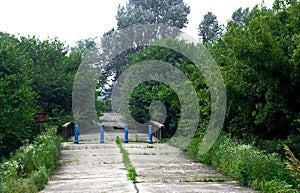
column 204, row 179
column 247, row 164
column 69, row 140
column 29, row 168
column 131, row 173
column 138, row 140
column 149, row 146
column 293, row 164
column 145, row 153
column 70, row 160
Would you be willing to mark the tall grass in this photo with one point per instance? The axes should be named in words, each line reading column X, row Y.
column 28, row 169
column 293, row 164
column 247, row 164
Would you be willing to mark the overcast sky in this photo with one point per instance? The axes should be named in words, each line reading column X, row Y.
column 72, row 20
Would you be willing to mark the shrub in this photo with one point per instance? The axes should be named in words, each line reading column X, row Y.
column 272, row 186
column 29, row 167
column 39, row 178
column 247, row 164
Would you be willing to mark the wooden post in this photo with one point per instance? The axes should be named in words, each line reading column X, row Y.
column 40, row 127
column 40, row 118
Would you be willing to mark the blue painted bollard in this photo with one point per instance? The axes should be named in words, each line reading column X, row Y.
column 76, row 134
column 150, row 134
column 126, row 134
column 101, row 133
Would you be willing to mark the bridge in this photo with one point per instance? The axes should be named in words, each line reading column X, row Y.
column 91, row 166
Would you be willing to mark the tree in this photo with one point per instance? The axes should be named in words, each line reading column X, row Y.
column 12, row 60
column 283, row 4
column 260, row 62
column 52, row 73
column 17, row 98
column 35, row 76
column 240, row 15
column 209, row 28
column 17, row 112
column 82, row 47
column 152, row 91
column 169, row 12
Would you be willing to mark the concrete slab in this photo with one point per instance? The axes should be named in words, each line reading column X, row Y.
column 162, row 168
column 191, row 187
column 90, row 167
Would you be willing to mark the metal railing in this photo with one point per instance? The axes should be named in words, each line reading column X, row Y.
column 157, row 129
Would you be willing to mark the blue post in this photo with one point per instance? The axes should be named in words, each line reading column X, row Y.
column 76, row 134
column 126, row 134
column 150, row 134
column 101, row 133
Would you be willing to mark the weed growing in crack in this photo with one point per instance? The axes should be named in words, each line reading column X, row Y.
column 131, row 173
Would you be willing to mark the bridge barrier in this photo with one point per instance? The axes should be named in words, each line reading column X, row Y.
column 157, row 129
column 66, row 130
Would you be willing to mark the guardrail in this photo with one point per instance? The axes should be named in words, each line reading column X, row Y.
column 157, row 129
column 66, row 130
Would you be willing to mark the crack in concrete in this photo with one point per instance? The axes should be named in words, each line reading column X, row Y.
column 136, row 188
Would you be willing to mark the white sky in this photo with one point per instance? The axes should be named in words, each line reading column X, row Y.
column 72, row 20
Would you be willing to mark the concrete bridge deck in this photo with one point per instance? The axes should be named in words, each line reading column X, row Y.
column 93, row 167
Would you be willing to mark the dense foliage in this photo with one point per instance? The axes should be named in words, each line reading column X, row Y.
column 260, row 64
column 17, row 97
column 259, row 60
column 149, row 92
column 247, row 164
column 209, row 28
column 28, row 169
column 36, row 76
column 258, row 54
column 52, row 72
column 147, row 12
column 17, row 111
column 172, row 13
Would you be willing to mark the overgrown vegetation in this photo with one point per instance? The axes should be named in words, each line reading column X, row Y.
column 28, row 169
column 293, row 164
column 249, row 165
column 35, row 76
column 258, row 55
column 131, row 173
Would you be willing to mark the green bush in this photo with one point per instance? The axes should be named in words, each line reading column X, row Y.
column 29, row 167
column 247, row 164
column 17, row 112
column 39, row 178
column 272, row 186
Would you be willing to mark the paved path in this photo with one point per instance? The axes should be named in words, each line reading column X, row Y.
column 93, row 167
